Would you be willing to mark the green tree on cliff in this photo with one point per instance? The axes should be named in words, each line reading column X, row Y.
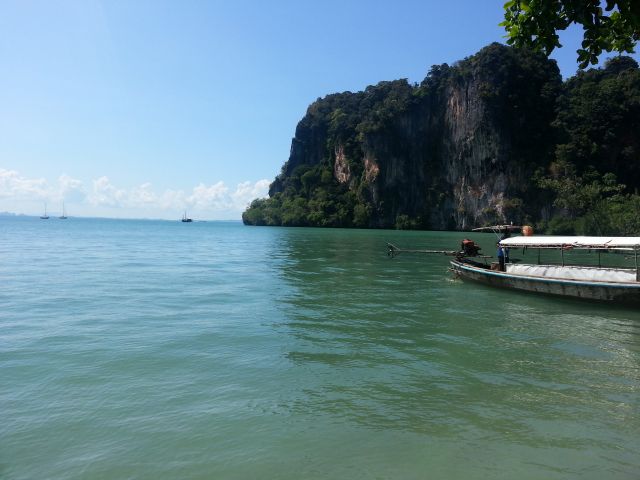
column 598, row 117
column 535, row 24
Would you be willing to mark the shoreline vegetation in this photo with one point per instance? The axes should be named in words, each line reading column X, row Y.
column 496, row 137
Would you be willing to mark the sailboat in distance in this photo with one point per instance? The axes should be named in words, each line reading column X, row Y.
column 64, row 213
column 185, row 218
column 45, row 216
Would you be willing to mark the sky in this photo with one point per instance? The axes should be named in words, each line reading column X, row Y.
column 148, row 109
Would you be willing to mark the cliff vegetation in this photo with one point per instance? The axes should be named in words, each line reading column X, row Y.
column 496, row 137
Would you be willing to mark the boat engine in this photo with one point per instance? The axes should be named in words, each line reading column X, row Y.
column 469, row 248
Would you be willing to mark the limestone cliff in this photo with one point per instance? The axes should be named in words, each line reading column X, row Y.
column 456, row 151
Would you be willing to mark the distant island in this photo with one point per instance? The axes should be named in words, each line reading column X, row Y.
column 496, row 137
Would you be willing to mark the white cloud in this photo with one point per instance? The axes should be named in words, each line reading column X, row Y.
column 247, row 191
column 171, row 199
column 215, row 197
column 204, row 201
column 143, row 195
column 70, row 189
column 13, row 185
column 211, row 201
column 105, row 194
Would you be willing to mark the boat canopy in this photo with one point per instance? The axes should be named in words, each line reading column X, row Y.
column 569, row 242
column 574, row 272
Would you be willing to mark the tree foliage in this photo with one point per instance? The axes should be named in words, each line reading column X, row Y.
column 310, row 197
column 309, row 194
column 535, row 24
column 598, row 145
column 590, row 204
column 581, row 137
column 402, row 125
column 598, row 120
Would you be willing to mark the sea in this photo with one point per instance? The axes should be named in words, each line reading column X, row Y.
column 140, row 349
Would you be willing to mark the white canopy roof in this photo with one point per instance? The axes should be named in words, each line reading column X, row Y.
column 619, row 243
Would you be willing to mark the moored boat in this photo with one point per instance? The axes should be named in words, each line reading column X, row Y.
column 590, row 280
column 44, row 216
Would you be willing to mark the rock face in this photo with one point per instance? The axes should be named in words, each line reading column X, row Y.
column 454, row 152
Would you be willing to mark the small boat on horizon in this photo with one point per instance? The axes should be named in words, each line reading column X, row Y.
column 64, row 213
column 44, row 216
column 588, row 280
column 185, row 218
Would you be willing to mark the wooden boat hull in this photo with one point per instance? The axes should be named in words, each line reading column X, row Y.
column 627, row 293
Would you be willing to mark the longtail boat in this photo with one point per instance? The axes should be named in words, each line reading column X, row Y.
column 590, row 280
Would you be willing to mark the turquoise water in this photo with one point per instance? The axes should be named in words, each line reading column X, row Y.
column 150, row 349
